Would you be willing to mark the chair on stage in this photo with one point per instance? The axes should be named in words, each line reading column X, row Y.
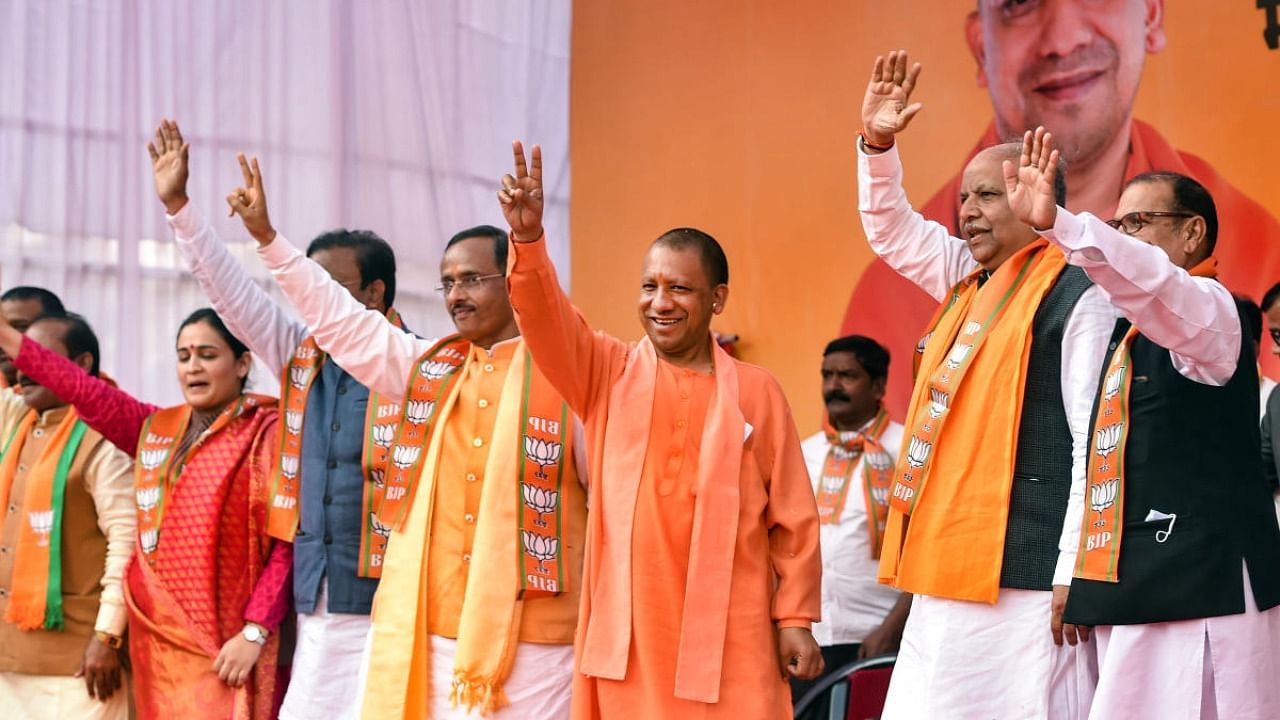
column 856, row 691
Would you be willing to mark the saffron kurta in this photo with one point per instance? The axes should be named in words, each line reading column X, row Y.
column 656, row 639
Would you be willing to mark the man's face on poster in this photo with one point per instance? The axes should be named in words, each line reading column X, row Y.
column 1070, row 65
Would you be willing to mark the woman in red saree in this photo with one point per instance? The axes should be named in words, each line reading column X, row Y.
column 206, row 587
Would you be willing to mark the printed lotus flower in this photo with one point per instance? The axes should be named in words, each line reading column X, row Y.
column 972, row 327
column 417, row 411
column 379, row 477
column 384, row 434
column 1111, row 385
column 152, row 459
column 298, row 376
column 293, row 421
column 289, row 466
column 541, row 548
column 1105, row 442
column 923, row 342
column 831, row 483
column 939, row 401
column 918, row 451
column 880, row 495
column 958, row 353
column 41, row 524
column 434, row 369
column 149, row 540
column 544, row 453
column 377, row 527
column 880, row 460
column 540, row 500
column 148, row 498
column 843, row 453
column 1101, row 497
column 404, row 456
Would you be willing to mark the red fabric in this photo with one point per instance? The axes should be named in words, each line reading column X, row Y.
column 114, row 413
column 891, row 309
column 868, row 689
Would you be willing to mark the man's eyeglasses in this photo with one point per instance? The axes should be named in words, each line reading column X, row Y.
column 1132, row 223
column 469, row 283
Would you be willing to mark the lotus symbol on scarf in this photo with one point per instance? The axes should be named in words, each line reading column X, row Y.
column 377, row 527
column 149, row 540
column 1101, row 497
column 832, row 483
column 844, row 453
column 298, row 376
column 923, row 342
column 879, row 460
column 939, row 401
column 540, row 500
column 379, row 477
column 152, row 459
column 289, row 466
column 383, row 435
column 541, row 548
column 972, row 327
column 417, row 411
column 41, row 524
column 148, row 498
column 1111, row 386
column 880, row 495
column 404, row 456
column 918, row 451
column 544, row 453
column 958, row 353
column 1105, row 442
column 434, row 369
column 293, row 421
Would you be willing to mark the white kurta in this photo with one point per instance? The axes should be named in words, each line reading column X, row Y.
column 58, row 697
column 329, row 651
column 972, row 660
column 1220, row 667
column 854, row 603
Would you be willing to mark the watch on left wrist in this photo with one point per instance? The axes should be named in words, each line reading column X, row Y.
column 254, row 633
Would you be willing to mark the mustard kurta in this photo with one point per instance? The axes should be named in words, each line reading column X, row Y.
column 634, row 660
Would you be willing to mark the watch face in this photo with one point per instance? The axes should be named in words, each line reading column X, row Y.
column 252, row 633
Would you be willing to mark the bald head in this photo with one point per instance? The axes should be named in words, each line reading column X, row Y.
column 1012, row 151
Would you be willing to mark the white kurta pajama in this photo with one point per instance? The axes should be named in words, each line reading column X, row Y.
column 1219, row 667
column 963, row 659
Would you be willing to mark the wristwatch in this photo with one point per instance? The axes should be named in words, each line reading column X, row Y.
column 115, row 642
column 254, row 634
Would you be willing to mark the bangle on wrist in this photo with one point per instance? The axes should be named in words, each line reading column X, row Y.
column 866, row 143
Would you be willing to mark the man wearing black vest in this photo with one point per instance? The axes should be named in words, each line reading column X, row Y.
column 991, row 485
column 1179, row 560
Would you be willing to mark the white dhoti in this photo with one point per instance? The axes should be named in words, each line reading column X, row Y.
column 962, row 660
column 58, row 697
column 1220, row 667
column 325, row 680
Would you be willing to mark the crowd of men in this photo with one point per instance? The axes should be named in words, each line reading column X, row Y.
column 529, row 518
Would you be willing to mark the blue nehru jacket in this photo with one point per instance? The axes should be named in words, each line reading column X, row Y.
column 332, row 515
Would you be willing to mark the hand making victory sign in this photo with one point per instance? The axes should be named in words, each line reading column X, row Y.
column 521, row 196
column 1029, row 186
column 249, row 201
column 885, row 108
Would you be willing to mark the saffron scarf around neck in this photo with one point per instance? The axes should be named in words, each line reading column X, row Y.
column 700, row 655
column 36, row 601
column 846, row 448
column 1098, row 557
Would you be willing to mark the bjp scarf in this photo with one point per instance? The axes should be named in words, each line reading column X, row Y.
column 877, row 476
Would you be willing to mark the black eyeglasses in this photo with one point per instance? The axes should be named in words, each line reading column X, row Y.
column 1132, row 223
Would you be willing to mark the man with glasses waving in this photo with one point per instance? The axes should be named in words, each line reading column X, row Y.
column 482, row 505
column 1178, row 564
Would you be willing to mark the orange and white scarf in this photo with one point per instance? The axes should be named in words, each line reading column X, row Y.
column 1099, row 555
column 36, row 602
column 381, row 417
column 837, row 471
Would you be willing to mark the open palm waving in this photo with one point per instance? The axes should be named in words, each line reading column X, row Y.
column 885, row 109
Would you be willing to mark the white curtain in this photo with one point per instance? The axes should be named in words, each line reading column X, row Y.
column 391, row 115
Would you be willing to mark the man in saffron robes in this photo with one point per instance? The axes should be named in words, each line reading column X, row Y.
column 995, row 438
column 483, row 509
column 1074, row 67
column 1178, row 563
column 702, row 578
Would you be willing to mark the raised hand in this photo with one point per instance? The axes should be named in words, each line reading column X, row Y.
column 885, row 111
column 169, row 165
column 1029, row 186
column 249, row 201
column 521, row 196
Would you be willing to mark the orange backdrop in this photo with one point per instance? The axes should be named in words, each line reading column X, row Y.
column 740, row 117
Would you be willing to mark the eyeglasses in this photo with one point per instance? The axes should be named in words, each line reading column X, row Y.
column 470, row 283
column 1132, row 223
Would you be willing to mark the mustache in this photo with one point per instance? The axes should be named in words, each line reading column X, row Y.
column 1099, row 54
column 461, row 306
column 834, row 396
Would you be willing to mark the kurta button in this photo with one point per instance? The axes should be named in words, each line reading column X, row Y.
column 342, row 389
column 328, row 500
column 38, row 432
column 484, row 403
column 332, row 464
column 22, row 467
column 335, row 427
column 488, row 367
column 466, row 557
column 469, row 518
column 471, row 477
column 477, row 442
column 328, row 539
column 13, row 508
